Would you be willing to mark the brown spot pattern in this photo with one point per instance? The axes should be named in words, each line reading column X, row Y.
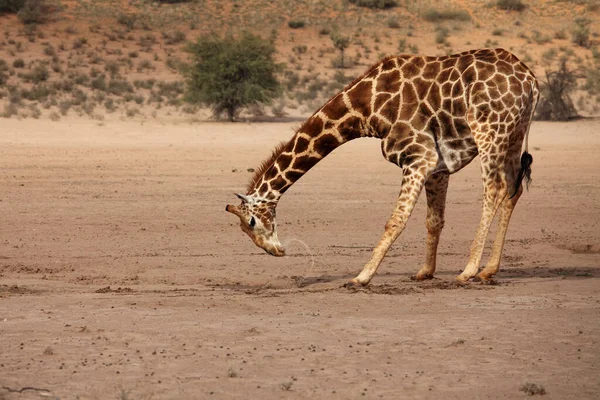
column 469, row 102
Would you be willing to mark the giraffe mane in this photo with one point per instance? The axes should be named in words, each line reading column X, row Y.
column 264, row 166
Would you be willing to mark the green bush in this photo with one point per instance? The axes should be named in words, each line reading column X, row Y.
column 511, row 5
column 382, row 4
column 231, row 73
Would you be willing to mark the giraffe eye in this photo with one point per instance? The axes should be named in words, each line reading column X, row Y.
column 252, row 222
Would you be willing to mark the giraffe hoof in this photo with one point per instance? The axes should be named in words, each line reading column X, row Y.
column 460, row 281
column 421, row 277
column 354, row 285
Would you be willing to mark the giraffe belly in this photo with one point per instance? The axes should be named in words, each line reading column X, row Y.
column 455, row 155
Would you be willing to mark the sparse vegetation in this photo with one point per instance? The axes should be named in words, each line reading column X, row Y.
column 381, row 4
column 434, row 15
column 37, row 11
column 511, row 5
column 581, row 32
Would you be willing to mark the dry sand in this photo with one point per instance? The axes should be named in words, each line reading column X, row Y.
column 121, row 275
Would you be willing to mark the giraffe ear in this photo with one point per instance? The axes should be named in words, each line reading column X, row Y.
column 242, row 197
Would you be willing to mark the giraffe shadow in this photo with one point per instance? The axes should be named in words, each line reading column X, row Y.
column 549, row 272
column 445, row 279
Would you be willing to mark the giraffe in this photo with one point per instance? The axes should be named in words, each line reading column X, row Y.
column 433, row 115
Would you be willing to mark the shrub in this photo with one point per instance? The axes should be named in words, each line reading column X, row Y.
column 38, row 93
column 18, row 63
column 511, row 5
column 433, row 15
column 441, row 35
column 232, row 73
column 119, row 87
column 112, row 67
column 37, row 11
column 10, row 109
column 581, row 32
column 11, row 5
column 99, row 83
column 393, row 23
column 64, row 107
column 539, row 38
column 79, row 43
column 296, row 24
column 147, row 40
column 127, row 20
column 555, row 103
column 300, row 49
column 324, row 31
column 173, row 37
column 49, row 50
column 402, row 45
column 39, row 74
column 144, row 65
column 144, row 84
column 382, row 4
column 341, row 43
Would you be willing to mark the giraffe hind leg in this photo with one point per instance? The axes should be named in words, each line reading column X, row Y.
column 436, row 188
column 514, row 175
column 495, row 191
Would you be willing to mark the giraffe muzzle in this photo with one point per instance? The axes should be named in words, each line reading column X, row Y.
column 275, row 251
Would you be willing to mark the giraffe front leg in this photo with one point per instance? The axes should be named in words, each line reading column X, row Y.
column 412, row 184
column 436, row 188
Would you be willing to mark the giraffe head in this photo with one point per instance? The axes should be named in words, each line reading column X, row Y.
column 257, row 220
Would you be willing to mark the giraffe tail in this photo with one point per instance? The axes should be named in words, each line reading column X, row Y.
column 524, row 172
column 526, row 158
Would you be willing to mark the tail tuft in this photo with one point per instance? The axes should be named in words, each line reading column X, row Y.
column 524, row 172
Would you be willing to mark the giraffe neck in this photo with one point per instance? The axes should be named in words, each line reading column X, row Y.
column 330, row 127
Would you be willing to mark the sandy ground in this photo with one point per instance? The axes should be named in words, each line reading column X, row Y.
column 122, row 277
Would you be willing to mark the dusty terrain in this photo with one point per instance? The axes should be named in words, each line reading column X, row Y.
column 121, row 275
